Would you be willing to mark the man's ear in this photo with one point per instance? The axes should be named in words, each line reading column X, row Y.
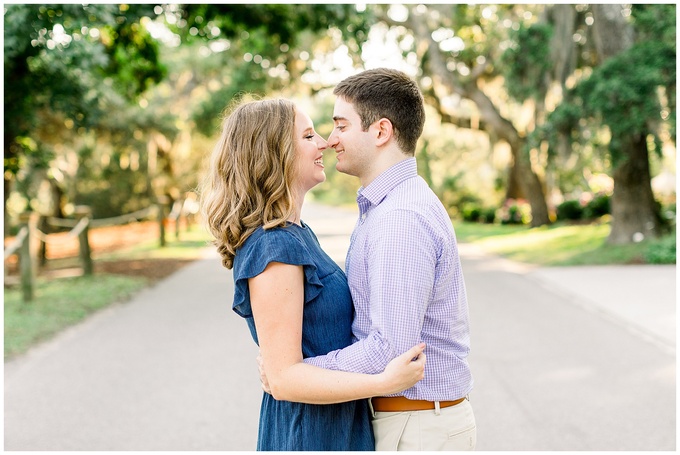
column 384, row 131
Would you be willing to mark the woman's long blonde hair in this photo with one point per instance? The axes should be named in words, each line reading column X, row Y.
column 250, row 179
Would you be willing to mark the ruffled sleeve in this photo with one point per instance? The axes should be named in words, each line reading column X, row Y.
column 263, row 247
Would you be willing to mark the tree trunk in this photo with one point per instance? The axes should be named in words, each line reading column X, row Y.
column 7, row 142
column 635, row 215
column 514, row 188
column 7, row 189
column 530, row 185
column 612, row 32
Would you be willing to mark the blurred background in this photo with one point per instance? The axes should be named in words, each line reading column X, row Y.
column 550, row 139
column 557, row 119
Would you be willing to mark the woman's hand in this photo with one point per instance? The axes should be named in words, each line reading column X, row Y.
column 263, row 375
column 404, row 371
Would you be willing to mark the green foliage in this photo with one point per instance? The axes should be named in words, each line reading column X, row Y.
column 599, row 206
column 62, row 57
column 515, row 211
column 662, row 251
column 525, row 65
column 455, row 196
column 569, row 210
column 476, row 213
column 271, row 35
column 281, row 23
column 623, row 92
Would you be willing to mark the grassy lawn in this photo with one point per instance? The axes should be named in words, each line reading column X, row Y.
column 558, row 244
column 62, row 302
column 59, row 304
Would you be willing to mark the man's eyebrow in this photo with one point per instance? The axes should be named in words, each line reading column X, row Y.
column 337, row 118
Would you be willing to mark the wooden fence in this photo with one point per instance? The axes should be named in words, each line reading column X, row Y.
column 80, row 227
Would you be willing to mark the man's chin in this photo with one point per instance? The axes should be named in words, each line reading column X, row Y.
column 341, row 168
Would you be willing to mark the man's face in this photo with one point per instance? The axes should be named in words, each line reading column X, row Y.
column 353, row 147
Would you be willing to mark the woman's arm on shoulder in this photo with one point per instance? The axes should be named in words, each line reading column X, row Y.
column 277, row 300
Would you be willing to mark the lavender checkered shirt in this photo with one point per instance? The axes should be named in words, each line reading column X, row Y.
column 407, row 286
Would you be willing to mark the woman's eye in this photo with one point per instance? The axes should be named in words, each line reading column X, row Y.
column 309, row 136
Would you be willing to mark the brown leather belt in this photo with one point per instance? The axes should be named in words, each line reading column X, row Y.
column 401, row 404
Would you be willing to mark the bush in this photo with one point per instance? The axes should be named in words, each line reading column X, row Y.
column 570, row 210
column 600, row 205
column 515, row 211
column 668, row 214
column 475, row 213
column 471, row 211
column 488, row 215
column 455, row 197
column 662, row 251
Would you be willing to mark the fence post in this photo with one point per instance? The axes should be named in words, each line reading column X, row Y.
column 80, row 212
column 162, row 204
column 26, row 266
column 177, row 205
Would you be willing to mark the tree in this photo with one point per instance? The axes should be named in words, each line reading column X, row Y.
column 62, row 59
column 630, row 92
column 458, row 48
column 262, row 45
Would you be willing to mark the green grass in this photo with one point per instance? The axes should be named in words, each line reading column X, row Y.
column 59, row 304
column 558, row 244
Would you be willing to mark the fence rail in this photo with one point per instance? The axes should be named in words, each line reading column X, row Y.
column 79, row 227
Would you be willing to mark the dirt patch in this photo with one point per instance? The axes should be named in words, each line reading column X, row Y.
column 153, row 269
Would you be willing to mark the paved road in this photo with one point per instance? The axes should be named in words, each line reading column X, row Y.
column 563, row 359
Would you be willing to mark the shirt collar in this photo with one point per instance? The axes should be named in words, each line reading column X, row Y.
column 376, row 191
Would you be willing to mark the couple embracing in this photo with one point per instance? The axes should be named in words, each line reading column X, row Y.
column 371, row 359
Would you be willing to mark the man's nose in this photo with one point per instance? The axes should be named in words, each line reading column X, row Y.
column 332, row 139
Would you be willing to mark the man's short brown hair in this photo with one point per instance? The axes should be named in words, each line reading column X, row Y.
column 391, row 94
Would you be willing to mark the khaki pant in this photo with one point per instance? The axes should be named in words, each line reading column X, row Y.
column 451, row 428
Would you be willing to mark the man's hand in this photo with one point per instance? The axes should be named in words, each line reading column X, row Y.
column 263, row 376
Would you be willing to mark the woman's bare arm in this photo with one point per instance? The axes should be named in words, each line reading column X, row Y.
column 277, row 300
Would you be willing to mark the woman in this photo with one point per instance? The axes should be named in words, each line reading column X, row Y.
column 294, row 298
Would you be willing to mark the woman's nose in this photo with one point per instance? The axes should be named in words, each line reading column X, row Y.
column 321, row 142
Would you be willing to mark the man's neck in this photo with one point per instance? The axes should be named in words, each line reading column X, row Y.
column 380, row 165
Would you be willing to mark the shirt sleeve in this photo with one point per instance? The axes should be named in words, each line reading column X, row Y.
column 401, row 258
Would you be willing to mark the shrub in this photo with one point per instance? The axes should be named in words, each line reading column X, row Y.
column 662, row 251
column 598, row 206
column 570, row 210
column 515, row 211
column 471, row 211
column 455, row 197
column 477, row 214
column 668, row 214
column 488, row 215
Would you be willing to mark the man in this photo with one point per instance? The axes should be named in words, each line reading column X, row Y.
column 403, row 268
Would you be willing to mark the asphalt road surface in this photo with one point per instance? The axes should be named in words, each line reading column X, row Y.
column 174, row 368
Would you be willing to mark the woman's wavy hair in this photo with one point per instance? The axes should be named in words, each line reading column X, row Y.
column 250, row 178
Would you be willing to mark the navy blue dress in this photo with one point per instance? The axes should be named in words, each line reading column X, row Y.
column 326, row 326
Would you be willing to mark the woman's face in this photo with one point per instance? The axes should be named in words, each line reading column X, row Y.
column 309, row 147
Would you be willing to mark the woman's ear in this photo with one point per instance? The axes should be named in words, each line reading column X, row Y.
column 384, row 131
